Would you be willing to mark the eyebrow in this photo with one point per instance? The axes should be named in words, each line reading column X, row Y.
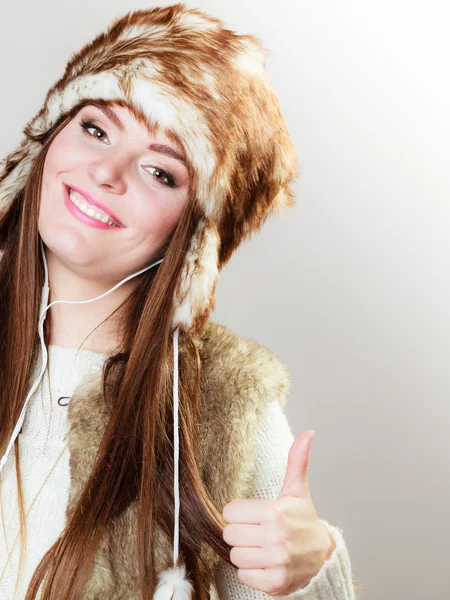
column 160, row 148
column 168, row 151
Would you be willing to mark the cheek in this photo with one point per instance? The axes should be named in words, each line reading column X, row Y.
column 159, row 218
column 67, row 152
column 48, row 187
column 59, row 158
column 50, row 168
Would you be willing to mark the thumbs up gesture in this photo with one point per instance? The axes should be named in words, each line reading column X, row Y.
column 279, row 545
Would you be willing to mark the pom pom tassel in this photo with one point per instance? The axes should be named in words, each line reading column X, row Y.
column 173, row 585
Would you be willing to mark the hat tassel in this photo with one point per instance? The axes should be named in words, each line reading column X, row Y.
column 173, row 584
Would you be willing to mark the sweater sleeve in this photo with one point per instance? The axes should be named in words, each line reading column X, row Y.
column 334, row 580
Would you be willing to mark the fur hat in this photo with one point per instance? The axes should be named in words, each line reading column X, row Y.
column 185, row 72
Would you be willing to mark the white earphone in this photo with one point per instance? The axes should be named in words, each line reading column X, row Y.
column 42, row 314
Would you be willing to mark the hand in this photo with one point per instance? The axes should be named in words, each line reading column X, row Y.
column 279, row 545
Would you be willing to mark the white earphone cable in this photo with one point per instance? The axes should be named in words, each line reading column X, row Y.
column 42, row 313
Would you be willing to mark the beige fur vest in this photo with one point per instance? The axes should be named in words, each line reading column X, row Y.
column 238, row 378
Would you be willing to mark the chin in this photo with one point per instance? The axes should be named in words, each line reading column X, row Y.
column 68, row 245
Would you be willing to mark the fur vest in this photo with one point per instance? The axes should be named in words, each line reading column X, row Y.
column 238, row 377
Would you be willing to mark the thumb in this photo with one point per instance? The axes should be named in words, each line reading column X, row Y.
column 296, row 478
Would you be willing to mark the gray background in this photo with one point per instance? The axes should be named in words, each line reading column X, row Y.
column 352, row 288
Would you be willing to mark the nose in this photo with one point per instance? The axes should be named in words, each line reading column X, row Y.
column 108, row 172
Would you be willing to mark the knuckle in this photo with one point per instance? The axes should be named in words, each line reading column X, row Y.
column 277, row 582
column 272, row 514
column 276, row 537
column 281, row 556
column 282, row 505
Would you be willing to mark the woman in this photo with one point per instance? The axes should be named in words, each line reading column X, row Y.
column 160, row 149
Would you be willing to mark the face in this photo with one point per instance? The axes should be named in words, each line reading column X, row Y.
column 112, row 193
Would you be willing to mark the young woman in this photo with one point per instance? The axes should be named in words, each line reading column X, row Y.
column 145, row 451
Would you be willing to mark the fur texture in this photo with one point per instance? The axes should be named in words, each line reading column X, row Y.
column 238, row 377
column 171, row 580
column 206, row 87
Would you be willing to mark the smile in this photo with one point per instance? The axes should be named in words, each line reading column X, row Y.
column 87, row 211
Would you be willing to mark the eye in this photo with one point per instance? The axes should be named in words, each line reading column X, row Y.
column 86, row 125
column 165, row 178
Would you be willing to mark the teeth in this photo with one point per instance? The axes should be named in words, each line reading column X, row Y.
column 87, row 209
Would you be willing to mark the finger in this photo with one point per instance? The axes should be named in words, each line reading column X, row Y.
column 248, row 510
column 258, row 558
column 237, row 534
column 296, row 478
column 271, row 580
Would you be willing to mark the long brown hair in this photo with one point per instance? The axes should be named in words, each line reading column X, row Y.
column 137, row 384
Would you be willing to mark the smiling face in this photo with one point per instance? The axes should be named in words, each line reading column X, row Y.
column 131, row 189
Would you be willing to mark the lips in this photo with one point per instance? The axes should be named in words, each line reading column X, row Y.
column 90, row 200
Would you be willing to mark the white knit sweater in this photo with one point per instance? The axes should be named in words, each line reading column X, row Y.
column 41, row 442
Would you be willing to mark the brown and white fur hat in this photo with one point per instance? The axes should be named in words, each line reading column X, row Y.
column 206, row 86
